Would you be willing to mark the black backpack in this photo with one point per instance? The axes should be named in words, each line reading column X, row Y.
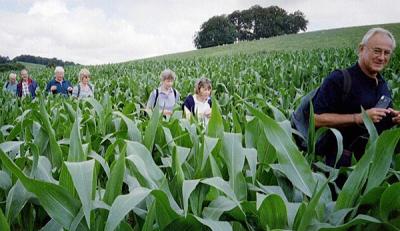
column 300, row 117
column 156, row 98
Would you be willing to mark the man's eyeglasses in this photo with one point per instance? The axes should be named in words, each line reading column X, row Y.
column 378, row 51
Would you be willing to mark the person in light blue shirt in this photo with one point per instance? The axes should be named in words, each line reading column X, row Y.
column 58, row 85
column 11, row 84
column 165, row 95
column 83, row 89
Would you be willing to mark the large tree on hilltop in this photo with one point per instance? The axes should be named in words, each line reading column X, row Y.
column 268, row 22
column 258, row 22
column 297, row 22
column 216, row 31
column 254, row 23
column 244, row 24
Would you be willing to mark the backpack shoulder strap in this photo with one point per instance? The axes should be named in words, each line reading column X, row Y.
column 90, row 86
column 189, row 103
column 155, row 99
column 174, row 93
column 346, row 84
column 7, row 84
column 79, row 90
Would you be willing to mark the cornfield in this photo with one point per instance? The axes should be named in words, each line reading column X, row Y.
column 104, row 164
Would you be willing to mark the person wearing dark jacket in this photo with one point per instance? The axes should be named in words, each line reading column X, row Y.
column 26, row 86
column 58, row 85
column 368, row 88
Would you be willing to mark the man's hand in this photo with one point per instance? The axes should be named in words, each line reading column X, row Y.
column 53, row 88
column 69, row 89
column 377, row 114
column 396, row 115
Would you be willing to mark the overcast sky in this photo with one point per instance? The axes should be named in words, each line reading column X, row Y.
column 97, row 32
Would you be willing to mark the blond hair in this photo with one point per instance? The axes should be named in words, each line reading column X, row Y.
column 83, row 72
column 203, row 82
column 12, row 75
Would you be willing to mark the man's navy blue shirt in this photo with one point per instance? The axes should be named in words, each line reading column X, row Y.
column 365, row 92
column 62, row 88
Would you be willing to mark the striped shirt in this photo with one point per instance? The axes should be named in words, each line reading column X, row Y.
column 25, row 89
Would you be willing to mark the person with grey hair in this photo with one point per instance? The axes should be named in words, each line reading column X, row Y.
column 338, row 101
column 11, row 84
column 199, row 104
column 165, row 95
column 83, row 89
column 26, row 86
column 58, row 85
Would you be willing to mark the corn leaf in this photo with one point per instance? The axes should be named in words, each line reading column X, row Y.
column 187, row 188
column 57, row 202
column 272, row 212
column 390, row 202
column 123, row 204
column 293, row 164
column 82, row 176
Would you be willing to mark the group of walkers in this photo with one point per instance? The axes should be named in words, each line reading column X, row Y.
column 27, row 87
column 337, row 102
column 165, row 95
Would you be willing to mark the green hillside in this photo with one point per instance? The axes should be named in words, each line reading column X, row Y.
column 31, row 66
column 335, row 38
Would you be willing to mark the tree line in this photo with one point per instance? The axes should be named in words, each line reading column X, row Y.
column 251, row 24
column 7, row 64
column 43, row 61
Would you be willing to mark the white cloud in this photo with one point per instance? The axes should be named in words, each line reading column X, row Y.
column 81, row 34
column 344, row 13
column 48, row 8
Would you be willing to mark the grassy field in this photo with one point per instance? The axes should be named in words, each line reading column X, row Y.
column 334, row 38
column 31, row 66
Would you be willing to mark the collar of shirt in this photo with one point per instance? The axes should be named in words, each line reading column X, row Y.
column 161, row 91
column 200, row 101
column 371, row 81
column 62, row 81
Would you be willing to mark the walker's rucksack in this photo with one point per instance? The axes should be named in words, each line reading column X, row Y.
column 300, row 117
column 156, row 98
column 79, row 89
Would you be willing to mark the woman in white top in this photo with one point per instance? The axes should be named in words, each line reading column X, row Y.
column 199, row 104
column 84, row 88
